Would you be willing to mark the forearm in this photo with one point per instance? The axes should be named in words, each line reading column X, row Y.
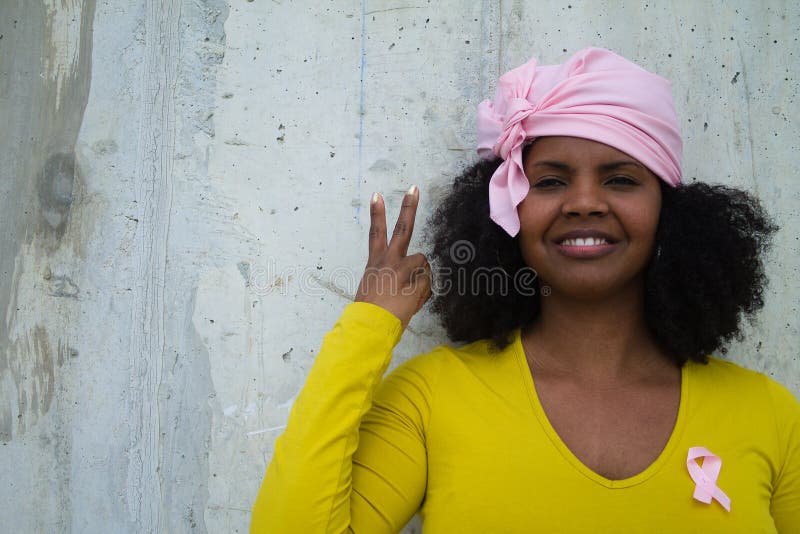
column 308, row 482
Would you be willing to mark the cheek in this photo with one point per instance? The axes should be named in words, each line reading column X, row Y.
column 535, row 215
column 527, row 246
column 643, row 223
column 535, row 219
column 639, row 210
column 532, row 221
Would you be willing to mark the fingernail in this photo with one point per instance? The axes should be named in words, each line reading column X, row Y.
column 374, row 198
column 412, row 190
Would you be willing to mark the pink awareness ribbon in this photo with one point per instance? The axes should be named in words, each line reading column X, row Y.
column 705, row 476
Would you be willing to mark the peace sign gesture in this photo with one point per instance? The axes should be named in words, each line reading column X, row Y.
column 392, row 280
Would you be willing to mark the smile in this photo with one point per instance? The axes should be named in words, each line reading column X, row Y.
column 585, row 247
column 584, row 242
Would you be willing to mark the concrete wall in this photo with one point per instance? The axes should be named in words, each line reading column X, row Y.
column 184, row 211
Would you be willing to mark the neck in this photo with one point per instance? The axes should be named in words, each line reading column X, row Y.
column 602, row 341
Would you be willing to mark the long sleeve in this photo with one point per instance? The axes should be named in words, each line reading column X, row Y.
column 317, row 482
column 785, row 506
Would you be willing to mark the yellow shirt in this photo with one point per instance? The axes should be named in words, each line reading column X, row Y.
column 459, row 434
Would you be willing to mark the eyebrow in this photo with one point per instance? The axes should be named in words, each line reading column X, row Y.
column 617, row 164
column 603, row 168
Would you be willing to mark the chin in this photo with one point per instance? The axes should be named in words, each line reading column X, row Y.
column 589, row 288
column 582, row 292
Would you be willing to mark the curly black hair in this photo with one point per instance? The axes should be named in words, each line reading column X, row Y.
column 708, row 273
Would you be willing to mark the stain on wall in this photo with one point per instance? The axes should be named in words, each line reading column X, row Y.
column 45, row 53
column 28, row 368
column 56, row 182
column 48, row 51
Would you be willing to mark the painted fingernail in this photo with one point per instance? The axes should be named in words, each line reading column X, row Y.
column 374, row 198
column 412, row 190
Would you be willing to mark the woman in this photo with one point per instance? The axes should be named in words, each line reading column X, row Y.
column 588, row 405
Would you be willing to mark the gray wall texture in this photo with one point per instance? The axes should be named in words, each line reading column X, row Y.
column 183, row 211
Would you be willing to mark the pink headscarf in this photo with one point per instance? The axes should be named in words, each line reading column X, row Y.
column 595, row 95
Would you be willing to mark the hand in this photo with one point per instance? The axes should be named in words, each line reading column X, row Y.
column 398, row 283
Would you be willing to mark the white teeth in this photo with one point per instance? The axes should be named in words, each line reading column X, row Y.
column 585, row 242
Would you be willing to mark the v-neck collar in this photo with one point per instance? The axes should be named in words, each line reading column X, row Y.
column 569, row 456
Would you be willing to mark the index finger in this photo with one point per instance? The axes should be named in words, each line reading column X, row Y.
column 404, row 226
column 377, row 226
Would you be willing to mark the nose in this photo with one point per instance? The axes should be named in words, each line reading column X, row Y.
column 584, row 198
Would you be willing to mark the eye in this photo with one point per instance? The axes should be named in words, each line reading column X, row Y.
column 548, row 182
column 622, row 180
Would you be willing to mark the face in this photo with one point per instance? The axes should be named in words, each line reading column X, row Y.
column 589, row 220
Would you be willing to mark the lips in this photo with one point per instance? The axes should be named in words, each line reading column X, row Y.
column 581, row 235
column 585, row 243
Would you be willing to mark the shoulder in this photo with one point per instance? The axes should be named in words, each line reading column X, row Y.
column 476, row 358
column 738, row 385
column 412, row 386
column 726, row 371
column 454, row 382
column 455, row 371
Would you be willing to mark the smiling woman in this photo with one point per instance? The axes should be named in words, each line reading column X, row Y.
column 582, row 189
column 594, row 403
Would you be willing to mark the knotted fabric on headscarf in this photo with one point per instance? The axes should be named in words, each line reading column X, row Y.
column 595, row 95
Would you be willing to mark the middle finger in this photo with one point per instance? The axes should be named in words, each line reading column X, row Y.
column 401, row 237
